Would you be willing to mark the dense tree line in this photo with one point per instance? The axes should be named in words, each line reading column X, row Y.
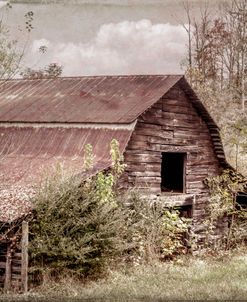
column 216, row 67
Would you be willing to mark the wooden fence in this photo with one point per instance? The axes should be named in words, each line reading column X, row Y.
column 14, row 263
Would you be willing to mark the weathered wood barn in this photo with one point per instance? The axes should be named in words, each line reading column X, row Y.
column 169, row 141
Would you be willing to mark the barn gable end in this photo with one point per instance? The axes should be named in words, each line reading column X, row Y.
column 178, row 127
column 172, row 125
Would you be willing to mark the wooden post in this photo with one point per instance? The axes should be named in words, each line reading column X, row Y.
column 24, row 257
column 7, row 280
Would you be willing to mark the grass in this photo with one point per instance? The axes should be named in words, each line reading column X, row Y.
column 187, row 279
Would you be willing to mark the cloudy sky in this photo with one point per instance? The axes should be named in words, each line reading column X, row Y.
column 105, row 37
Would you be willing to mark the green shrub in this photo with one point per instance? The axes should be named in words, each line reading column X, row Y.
column 223, row 207
column 85, row 226
column 76, row 224
column 155, row 231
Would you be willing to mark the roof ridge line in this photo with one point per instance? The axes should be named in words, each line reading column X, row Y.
column 94, row 76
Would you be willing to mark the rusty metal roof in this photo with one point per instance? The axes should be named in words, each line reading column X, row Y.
column 97, row 99
column 49, row 121
column 28, row 154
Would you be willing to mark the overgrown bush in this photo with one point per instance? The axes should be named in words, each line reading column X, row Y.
column 73, row 229
column 223, row 206
column 84, row 226
column 76, row 223
column 154, row 230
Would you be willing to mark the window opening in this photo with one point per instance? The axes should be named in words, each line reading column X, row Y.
column 241, row 200
column 185, row 211
column 172, row 172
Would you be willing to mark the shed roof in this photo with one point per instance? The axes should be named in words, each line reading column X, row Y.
column 97, row 99
column 28, row 154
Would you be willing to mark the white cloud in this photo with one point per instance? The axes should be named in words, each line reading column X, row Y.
column 3, row 3
column 119, row 48
column 38, row 43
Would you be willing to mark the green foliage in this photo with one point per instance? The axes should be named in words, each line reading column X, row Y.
column 88, row 157
column 73, row 228
column 85, row 226
column 76, row 224
column 12, row 53
column 154, row 231
column 11, row 49
column 104, row 188
column 224, row 190
column 186, row 279
column 216, row 69
column 175, row 231
column 117, row 159
column 144, row 229
column 51, row 71
column 236, row 138
column 10, row 57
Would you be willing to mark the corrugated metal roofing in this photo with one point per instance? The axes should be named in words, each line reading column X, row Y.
column 99, row 99
column 49, row 121
column 29, row 153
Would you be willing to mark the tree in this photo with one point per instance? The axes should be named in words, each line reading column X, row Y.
column 11, row 52
column 217, row 70
column 52, row 70
column 218, row 49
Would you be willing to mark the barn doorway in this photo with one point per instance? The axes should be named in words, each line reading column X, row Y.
column 173, row 172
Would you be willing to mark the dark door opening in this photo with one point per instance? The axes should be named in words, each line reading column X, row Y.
column 172, row 172
column 242, row 200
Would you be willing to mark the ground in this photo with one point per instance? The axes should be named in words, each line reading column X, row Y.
column 185, row 279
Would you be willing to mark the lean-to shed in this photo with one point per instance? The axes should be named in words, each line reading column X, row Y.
column 169, row 141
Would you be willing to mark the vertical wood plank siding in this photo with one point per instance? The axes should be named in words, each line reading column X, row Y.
column 10, row 268
column 7, row 281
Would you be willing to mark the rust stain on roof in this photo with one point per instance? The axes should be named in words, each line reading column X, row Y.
column 102, row 99
column 48, row 122
column 28, row 154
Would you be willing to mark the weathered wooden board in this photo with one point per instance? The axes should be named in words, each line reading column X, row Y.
column 24, row 257
column 172, row 125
